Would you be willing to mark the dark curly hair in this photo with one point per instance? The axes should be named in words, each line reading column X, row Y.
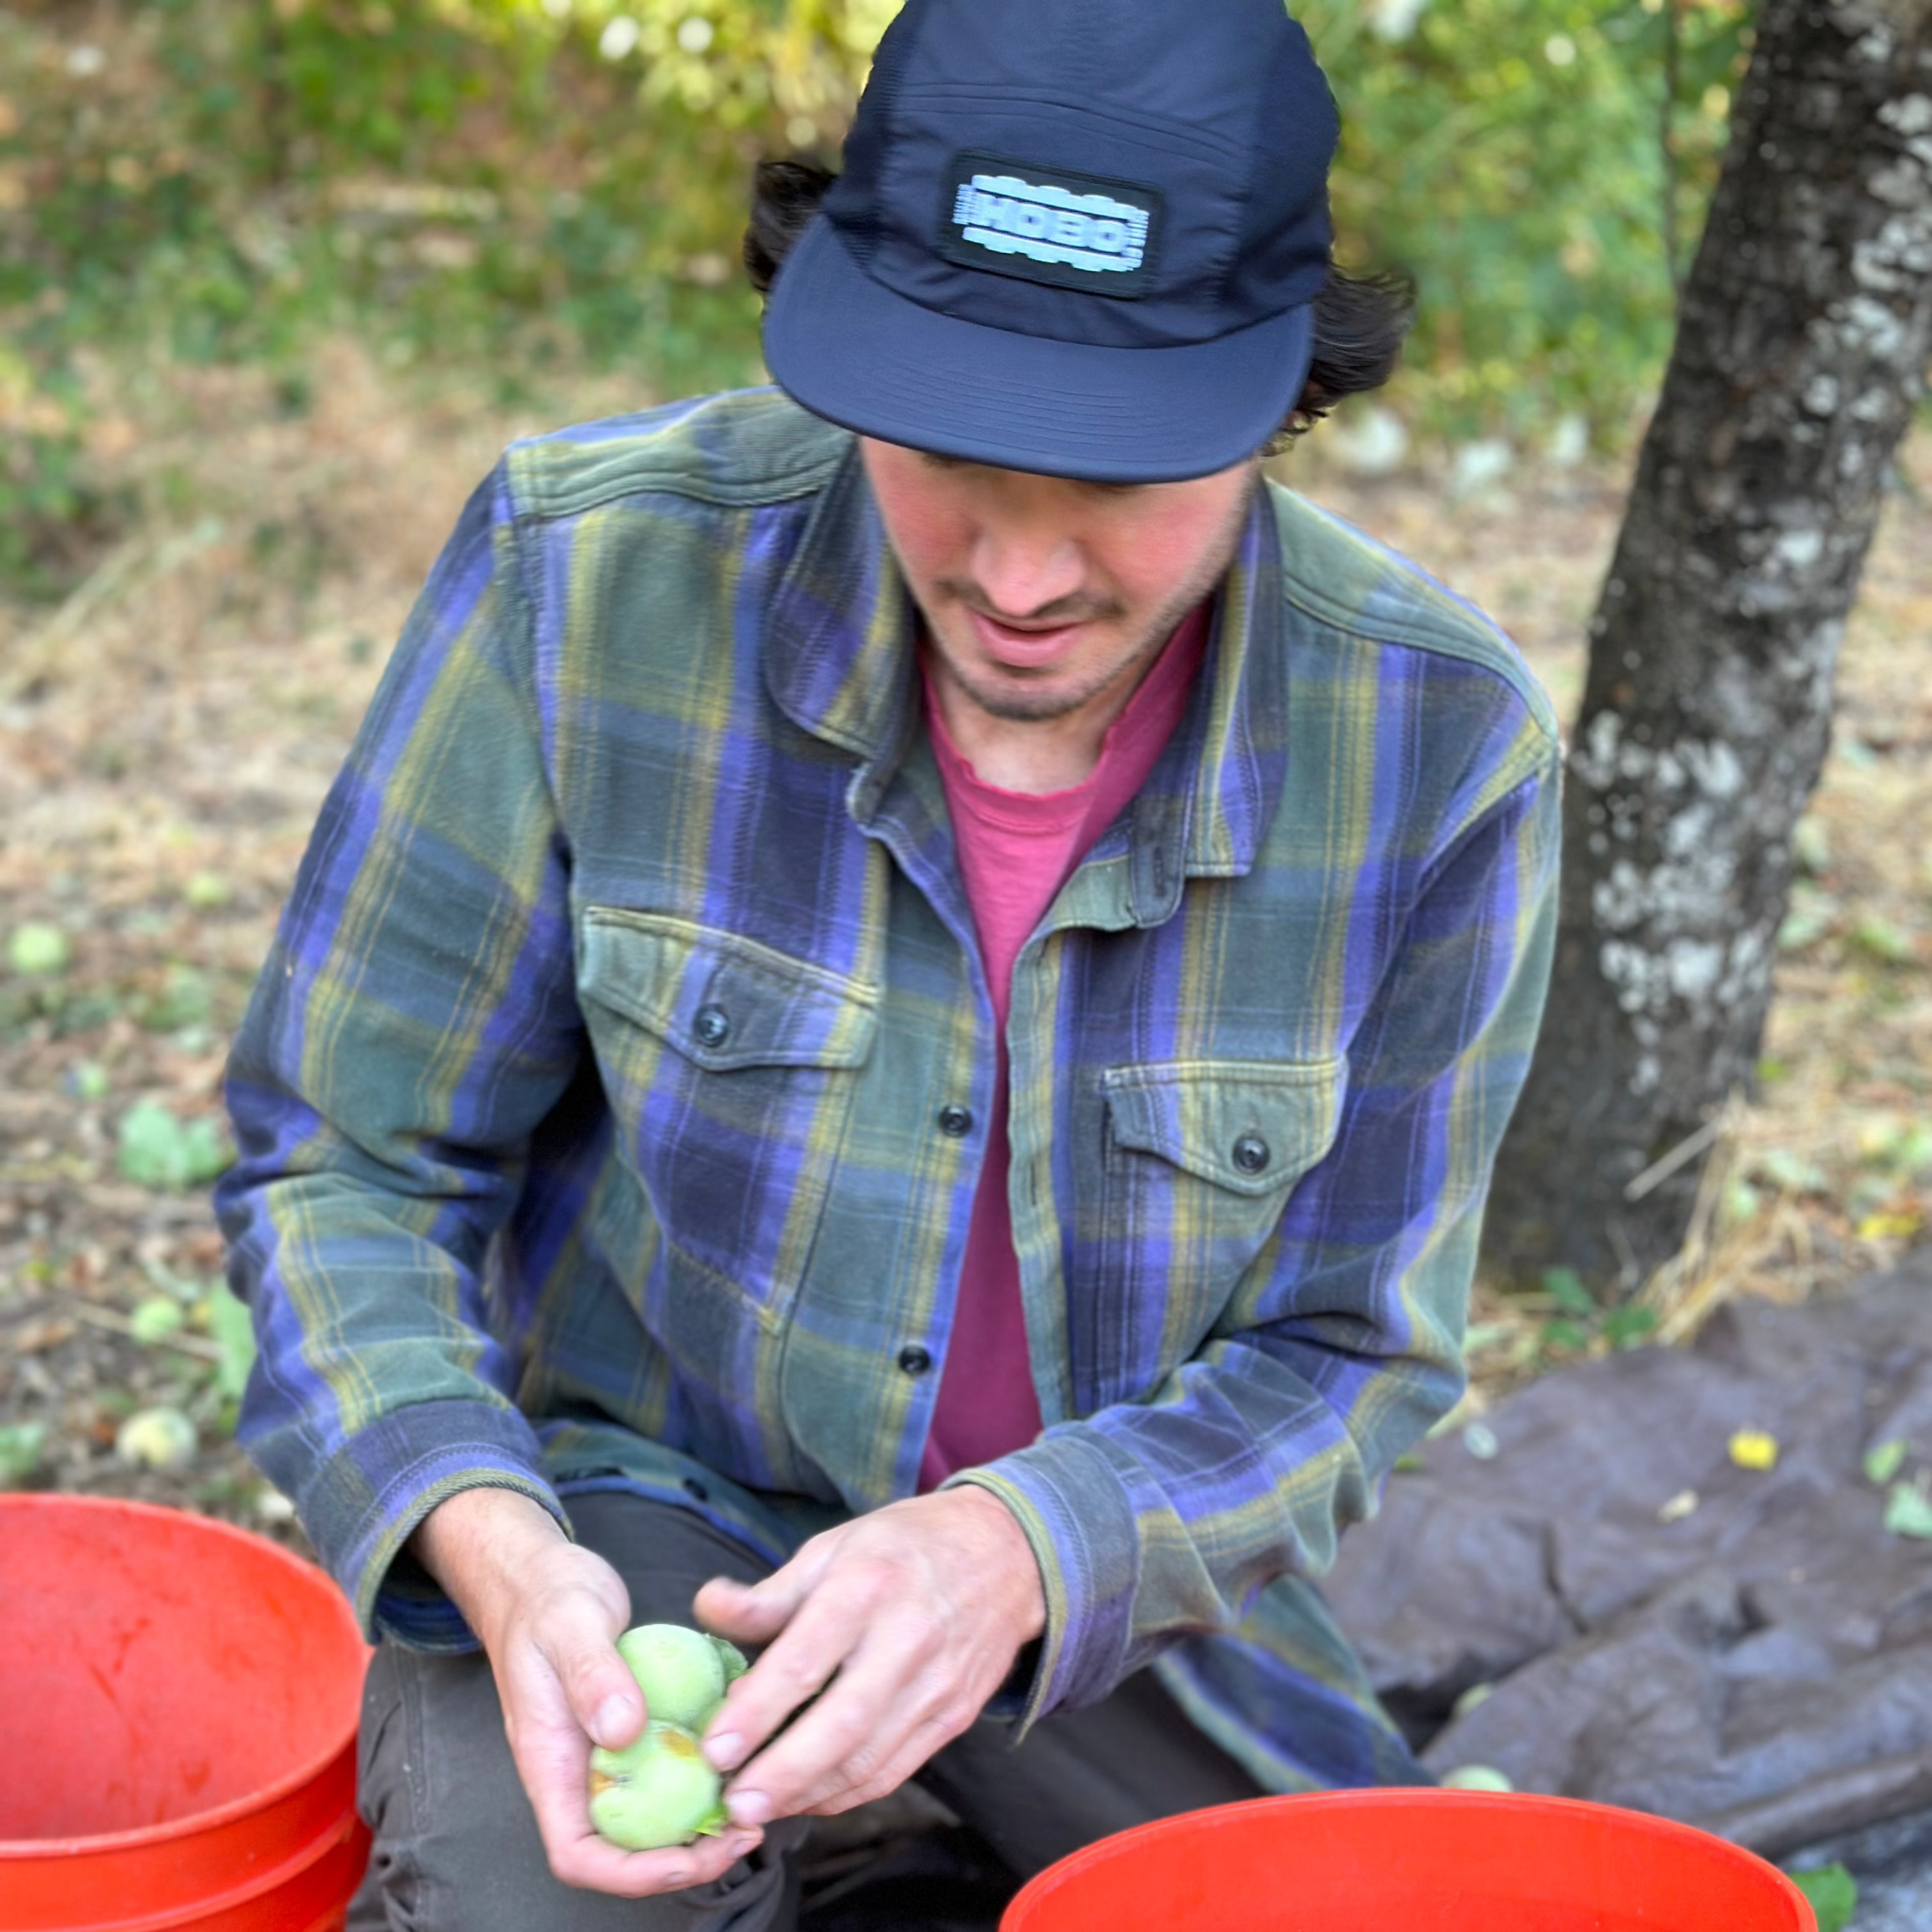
column 1360, row 320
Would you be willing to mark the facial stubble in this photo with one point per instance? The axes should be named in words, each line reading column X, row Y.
column 1013, row 706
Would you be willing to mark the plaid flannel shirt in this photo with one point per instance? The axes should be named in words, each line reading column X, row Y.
column 589, row 1106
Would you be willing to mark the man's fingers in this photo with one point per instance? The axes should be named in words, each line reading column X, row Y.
column 593, row 1865
column 752, row 1612
column 883, row 1709
column 797, row 1665
column 846, row 1790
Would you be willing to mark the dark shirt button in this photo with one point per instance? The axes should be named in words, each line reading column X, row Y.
column 955, row 1120
column 914, row 1360
column 712, row 1026
column 696, row 1490
column 1251, row 1153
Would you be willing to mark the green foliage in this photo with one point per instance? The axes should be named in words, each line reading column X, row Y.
column 1508, row 154
column 158, row 1149
column 20, row 1446
column 233, row 1328
column 1908, row 1510
column 527, row 180
column 1577, row 1323
column 1831, row 1892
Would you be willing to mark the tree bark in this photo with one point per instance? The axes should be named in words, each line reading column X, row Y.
column 1801, row 349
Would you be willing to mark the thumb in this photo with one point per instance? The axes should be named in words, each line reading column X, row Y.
column 603, row 1696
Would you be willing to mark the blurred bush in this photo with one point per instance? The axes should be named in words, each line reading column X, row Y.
column 531, row 182
column 1515, row 156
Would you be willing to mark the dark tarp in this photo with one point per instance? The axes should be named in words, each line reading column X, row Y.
column 1759, row 1665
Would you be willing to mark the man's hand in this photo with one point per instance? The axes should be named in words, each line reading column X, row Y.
column 549, row 1614
column 919, row 1609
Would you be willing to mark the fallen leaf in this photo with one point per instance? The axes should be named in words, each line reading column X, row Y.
column 1625, row 1327
column 1792, row 1173
column 157, row 1150
column 1877, row 935
column 1480, row 1439
column 1908, row 1511
column 20, row 1445
column 1754, row 1449
column 1564, row 1286
column 1883, row 1461
column 36, row 1338
column 1896, row 1224
column 1684, row 1504
column 1832, row 1893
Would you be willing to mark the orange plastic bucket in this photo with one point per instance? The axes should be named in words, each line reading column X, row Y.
column 1410, row 1861
column 177, row 1710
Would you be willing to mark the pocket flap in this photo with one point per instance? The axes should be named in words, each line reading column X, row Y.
column 1250, row 1125
column 722, row 1000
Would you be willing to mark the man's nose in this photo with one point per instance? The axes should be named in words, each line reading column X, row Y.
column 1022, row 571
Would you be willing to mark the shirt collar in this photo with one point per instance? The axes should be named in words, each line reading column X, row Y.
column 842, row 665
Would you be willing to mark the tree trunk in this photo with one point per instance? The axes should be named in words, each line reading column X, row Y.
column 1800, row 348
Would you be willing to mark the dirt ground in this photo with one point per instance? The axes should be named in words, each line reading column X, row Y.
column 166, row 735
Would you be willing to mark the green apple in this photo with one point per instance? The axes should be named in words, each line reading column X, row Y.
column 657, row 1792
column 681, row 1673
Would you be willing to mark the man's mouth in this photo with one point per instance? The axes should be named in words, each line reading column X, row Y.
column 1022, row 647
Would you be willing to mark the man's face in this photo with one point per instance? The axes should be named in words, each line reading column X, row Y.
column 1045, row 599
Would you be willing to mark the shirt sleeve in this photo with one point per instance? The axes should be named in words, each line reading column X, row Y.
column 413, row 1023
column 1155, row 1519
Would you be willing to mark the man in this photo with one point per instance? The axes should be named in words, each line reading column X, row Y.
column 903, row 1031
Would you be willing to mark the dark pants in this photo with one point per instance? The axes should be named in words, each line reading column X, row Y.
column 457, row 1849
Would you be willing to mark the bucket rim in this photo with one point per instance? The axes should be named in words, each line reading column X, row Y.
column 307, row 1771
column 1392, row 1798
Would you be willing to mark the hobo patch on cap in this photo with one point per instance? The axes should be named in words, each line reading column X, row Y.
column 1071, row 231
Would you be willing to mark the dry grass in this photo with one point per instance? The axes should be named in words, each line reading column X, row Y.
column 165, row 739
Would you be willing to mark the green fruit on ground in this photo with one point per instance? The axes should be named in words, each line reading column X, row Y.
column 681, row 1673
column 657, row 1792
column 37, row 948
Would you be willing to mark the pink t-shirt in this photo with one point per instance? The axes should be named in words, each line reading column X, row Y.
column 1016, row 850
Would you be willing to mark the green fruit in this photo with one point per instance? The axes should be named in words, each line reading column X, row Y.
column 681, row 1673
column 657, row 1792
column 1475, row 1777
column 38, row 949
column 157, row 1438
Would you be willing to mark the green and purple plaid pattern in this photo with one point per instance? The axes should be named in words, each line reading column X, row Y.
column 588, row 1106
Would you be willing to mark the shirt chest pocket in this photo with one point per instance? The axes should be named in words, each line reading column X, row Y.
column 730, row 1067
column 1199, row 1159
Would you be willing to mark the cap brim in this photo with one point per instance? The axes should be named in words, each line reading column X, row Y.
column 852, row 350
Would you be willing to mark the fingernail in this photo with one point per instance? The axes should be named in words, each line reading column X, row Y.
column 725, row 1749
column 741, row 1842
column 609, row 1723
column 748, row 1807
